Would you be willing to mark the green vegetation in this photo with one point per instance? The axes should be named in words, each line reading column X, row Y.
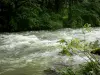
column 89, row 68
column 22, row 15
column 72, row 46
column 86, row 12
column 76, row 46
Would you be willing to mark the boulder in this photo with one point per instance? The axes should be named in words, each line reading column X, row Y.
column 96, row 51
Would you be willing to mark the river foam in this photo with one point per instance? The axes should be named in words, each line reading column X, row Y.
column 39, row 49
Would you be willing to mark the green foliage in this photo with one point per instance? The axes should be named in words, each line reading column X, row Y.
column 87, row 27
column 85, row 12
column 94, row 44
column 34, row 18
column 30, row 15
column 18, row 15
column 89, row 68
column 92, row 66
column 70, row 47
column 67, row 71
column 73, row 46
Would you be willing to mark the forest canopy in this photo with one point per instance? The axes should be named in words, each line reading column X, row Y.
column 22, row 15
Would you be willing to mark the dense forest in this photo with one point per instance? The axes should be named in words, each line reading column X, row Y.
column 22, row 15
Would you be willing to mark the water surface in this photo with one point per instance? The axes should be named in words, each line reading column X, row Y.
column 29, row 53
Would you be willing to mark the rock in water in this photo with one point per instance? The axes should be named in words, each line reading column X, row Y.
column 50, row 72
column 96, row 51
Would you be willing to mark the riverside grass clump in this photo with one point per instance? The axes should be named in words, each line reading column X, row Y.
column 91, row 67
column 69, row 48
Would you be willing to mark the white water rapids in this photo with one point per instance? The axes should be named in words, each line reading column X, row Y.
column 29, row 53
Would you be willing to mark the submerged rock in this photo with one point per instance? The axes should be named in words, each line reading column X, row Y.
column 50, row 72
column 96, row 51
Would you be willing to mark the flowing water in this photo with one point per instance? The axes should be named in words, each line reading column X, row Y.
column 30, row 53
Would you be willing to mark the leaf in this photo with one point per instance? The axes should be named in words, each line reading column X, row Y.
column 62, row 41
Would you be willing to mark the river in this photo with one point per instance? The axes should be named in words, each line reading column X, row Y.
column 32, row 52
